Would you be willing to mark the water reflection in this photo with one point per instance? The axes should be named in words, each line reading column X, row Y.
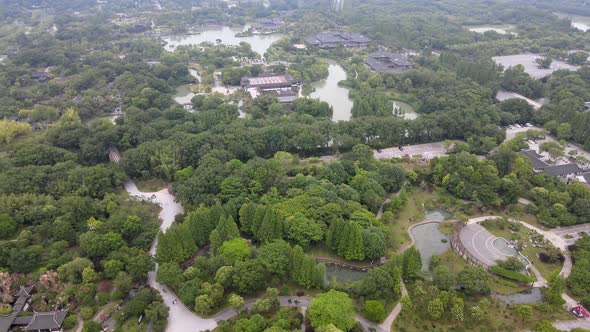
column 328, row 90
column 225, row 34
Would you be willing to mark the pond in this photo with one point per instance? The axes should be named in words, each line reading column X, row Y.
column 343, row 274
column 227, row 35
column 404, row 110
column 183, row 94
column 501, row 29
column 328, row 90
column 533, row 295
column 429, row 241
column 530, row 66
column 579, row 22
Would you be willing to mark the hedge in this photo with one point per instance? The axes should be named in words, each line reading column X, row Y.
column 512, row 275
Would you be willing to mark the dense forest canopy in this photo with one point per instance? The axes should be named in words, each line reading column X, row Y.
column 271, row 191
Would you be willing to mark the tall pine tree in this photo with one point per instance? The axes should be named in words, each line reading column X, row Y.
column 351, row 246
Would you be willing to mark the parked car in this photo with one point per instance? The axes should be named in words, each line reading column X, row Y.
column 580, row 312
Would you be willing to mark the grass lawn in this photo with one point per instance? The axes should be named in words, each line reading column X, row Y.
column 499, row 317
column 410, row 214
column 453, row 261
column 151, row 185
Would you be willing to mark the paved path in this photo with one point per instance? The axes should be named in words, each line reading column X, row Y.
column 573, row 324
column 180, row 318
column 505, row 95
column 388, row 322
column 426, row 150
column 566, row 269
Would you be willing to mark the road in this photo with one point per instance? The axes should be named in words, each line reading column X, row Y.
column 505, row 95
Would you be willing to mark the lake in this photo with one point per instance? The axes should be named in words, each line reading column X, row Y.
column 579, row 22
column 227, row 35
column 530, row 66
column 328, row 90
column 404, row 110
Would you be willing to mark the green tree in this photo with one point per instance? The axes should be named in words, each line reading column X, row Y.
column 374, row 311
column 332, row 307
column 236, row 302
column 275, row 256
column 351, row 245
column 248, row 276
column 235, row 250
column 170, row 273
column 474, row 280
column 412, row 264
column 7, row 226
column 435, row 309
column 457, row 309
column 524, row 311
column 443, row 278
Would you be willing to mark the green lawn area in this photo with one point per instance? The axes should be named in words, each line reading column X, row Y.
column 453, row 261
column 410, row 214
column 151, row 185
column 499, row 317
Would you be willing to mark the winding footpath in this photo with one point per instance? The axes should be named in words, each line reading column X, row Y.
column 181, row 318
column 566, row 269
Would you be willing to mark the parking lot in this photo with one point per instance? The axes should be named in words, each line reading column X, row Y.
column 427, row 151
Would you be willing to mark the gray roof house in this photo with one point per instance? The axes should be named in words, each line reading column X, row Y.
column 388, row 62
column 560, row 171
column 39, row 322
column 269, row 82
column 333, row 39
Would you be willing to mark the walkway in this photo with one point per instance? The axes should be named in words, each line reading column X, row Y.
column 180, row 318
column 503, row 95
column 566, row 269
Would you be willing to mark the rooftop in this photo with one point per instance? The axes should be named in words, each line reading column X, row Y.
column 47, row 321
column 562, row 170
column 388, row 62
column 333, row 38
column 535, row 159
column 269, row 81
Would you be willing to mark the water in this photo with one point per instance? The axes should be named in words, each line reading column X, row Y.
column 436, row 215
column 405, row 110
column 499, row 29
column 227, row 35
column 533, row 295
column 428, row 242
column 183, row 94
column 328, row 90
column 343, row 274
column 530, row 66
column 579, row 22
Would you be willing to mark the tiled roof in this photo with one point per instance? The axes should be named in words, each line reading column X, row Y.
column 535, row 159
column 561, row 170
column 47, row 320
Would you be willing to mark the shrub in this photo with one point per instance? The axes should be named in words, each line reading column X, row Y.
column 69, row 322
column 103, row 298
column 374, row 311
column 512, row 275
column 87, row 313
